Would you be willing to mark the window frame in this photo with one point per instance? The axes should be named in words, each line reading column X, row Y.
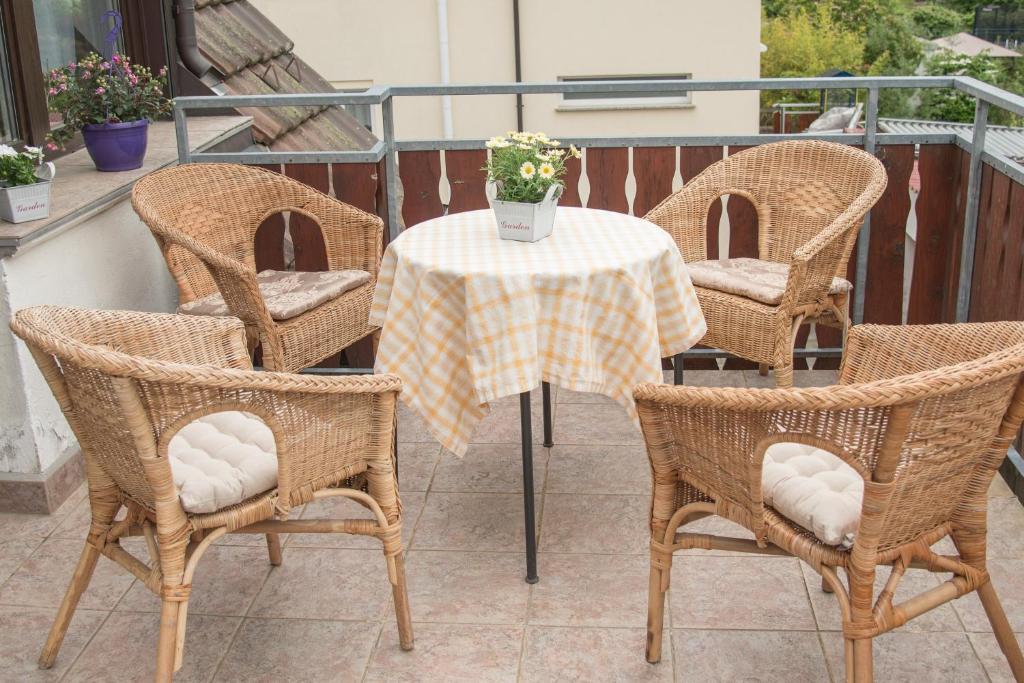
column 145, row 41
column 654, row 100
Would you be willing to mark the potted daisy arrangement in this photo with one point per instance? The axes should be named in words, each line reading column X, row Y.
column 527, row 171
column 24, row 184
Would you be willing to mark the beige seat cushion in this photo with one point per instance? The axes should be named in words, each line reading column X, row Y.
column 287, row 293
column 222, row 459
column 763, row 281
column 814, row 488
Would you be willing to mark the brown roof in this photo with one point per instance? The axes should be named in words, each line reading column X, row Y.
column 254, row 57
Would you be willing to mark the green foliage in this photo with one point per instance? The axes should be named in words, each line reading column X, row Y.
column 95, row 90
column 936, row 21
column 19, row 168
column 946, row 104
column 525, row 165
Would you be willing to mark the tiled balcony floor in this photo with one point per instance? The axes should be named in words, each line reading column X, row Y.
column 325, row 614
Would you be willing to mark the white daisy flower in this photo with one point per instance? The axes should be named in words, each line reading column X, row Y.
column 527, row 170
column 546, row 170
column 7, row 151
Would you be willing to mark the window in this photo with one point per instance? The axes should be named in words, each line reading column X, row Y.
column 8, row 122
column 68, row 31
column 615, row 100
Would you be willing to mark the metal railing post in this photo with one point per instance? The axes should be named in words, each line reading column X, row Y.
column 864, row 236
column 391, row 165
column 963, row 290
column 181, row 134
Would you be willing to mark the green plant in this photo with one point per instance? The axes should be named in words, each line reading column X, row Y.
column 525, row 165
column 945, row 104
column 936, row 21
column 96, row 90
column 19, row 168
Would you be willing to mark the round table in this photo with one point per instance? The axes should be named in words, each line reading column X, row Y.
column 467, row 317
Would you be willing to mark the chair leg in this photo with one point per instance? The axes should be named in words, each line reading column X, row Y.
column 863, row 666
column 1001, row 628
column 825, row 588
column 848, row 665
column 274, row 549
column 167, row 644
column 762, row 369
column 79, row 582
column 656, row 604
column 396, row 567
column 784, row 374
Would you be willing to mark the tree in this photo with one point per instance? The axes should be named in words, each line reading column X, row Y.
column 947, row 104
column 936, row 21
column 807, row 43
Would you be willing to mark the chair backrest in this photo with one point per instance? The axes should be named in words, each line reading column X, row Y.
column 128, row 381
column 927, row 443
column 797, row 187
column 220, row 206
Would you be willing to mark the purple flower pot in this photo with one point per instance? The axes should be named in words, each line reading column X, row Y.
column 117, row 146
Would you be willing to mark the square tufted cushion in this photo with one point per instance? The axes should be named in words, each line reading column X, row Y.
column 763, row 281
column 222, row 459
column 815, row 489
column 287, row 293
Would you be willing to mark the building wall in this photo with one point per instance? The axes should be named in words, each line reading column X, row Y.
column 107, row 261
column 354, row 43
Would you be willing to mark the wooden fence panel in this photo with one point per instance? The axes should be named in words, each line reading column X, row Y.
column 307, row 237
column 571, row 194
column 467, row 179
column 653, row 169
column 356, row 184
column 939, row 229
column 693, row 160
column 607, row 168
column 743, row 230
column 268, row 243
column 883, row 296
column 420, row 173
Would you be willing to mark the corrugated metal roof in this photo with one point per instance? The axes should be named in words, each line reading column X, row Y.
column 1007, row 141
column 254, row 57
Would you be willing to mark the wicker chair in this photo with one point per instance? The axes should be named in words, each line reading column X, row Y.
column 811, row 198
column 205, row 217
column 923, row 414
column 129, row 382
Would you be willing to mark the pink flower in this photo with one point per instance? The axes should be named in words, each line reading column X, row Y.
column 105, row 65
column 133, row 79
column 100, row 91
column 50, row 146
column 87, row 74
column 63, row 87
column 52, row 91
column 116, row 59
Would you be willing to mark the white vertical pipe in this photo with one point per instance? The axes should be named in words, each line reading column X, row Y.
column 446, row 71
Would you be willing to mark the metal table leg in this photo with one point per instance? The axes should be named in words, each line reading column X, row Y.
column 545, row 389
column 677, row 369
column 528, row 511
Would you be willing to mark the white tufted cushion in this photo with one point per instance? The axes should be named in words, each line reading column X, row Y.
column 222, row 459
column 815, row 489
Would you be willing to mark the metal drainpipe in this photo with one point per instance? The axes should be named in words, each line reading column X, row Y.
column 188, row 44
column 446, row 72
column 519, row 64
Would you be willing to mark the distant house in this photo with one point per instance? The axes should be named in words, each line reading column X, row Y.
column 970, row 46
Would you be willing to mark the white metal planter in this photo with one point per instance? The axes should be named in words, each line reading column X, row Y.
column 525, row 222
column 27, row 202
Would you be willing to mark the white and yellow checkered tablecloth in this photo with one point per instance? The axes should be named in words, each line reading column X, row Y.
column 467, row 317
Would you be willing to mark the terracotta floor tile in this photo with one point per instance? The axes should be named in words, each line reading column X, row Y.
column 591, row 654
column 599, row 469
column 449, row 652
column 784, row 656
column 124, row 649
column 23, row 631
column 226, row 581
column 467, row 588
column 472, row 521
column 590, row 590
column 326, row 583
column 713, row 592
column 298, row 650
column 488, row 468
column 575, row 523
column 43, row 578
column 903, row 656
column 595, row 424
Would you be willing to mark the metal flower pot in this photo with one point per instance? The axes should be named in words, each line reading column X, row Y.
column 21, row 203
column 525, row 222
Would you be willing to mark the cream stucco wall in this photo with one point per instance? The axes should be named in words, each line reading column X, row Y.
column 109, row 260
column 354, row 42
